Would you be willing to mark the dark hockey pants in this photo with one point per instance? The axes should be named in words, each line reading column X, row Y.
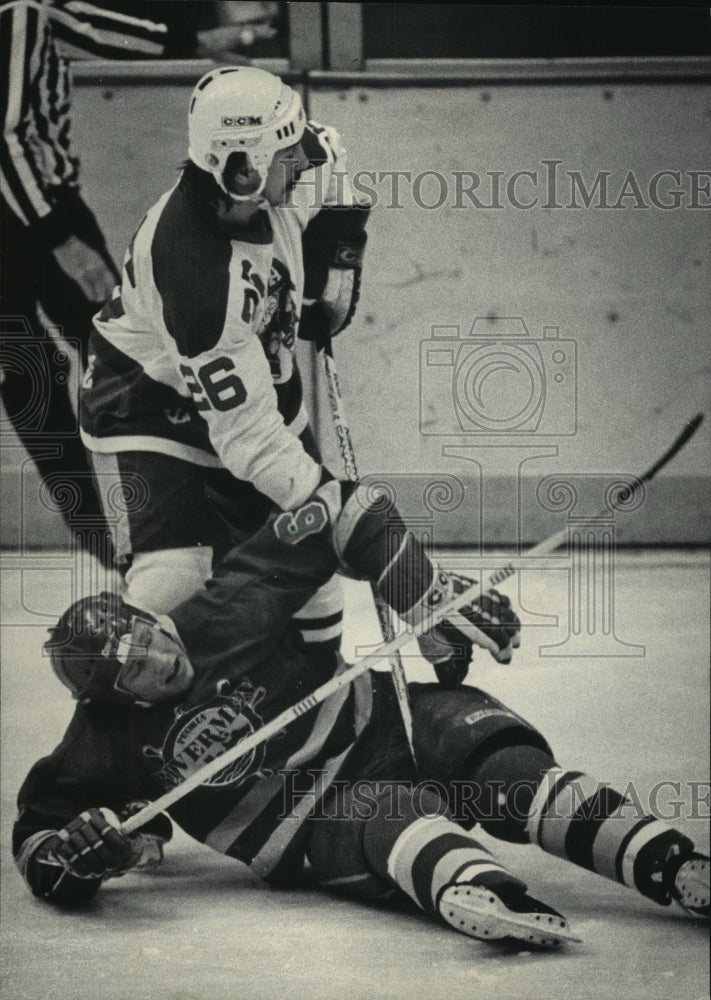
column 479, row 763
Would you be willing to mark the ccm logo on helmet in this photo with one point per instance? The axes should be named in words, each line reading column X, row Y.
column 229, row 122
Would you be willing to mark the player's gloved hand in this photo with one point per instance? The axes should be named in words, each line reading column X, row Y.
column 333, row 245
column 87, row 267
column 227, row 42
column 148, row 842
column 92, row 846
column 489, row 622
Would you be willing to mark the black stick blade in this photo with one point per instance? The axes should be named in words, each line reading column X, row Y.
column 690, row 429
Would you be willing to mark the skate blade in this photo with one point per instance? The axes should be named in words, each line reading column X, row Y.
column 479, row 913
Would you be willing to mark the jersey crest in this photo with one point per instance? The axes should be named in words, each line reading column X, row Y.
column 201, row 734
column 278, row 325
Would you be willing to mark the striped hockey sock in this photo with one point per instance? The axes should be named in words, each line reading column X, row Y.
column 577, row 817
column 446, row 871
column 432, row 853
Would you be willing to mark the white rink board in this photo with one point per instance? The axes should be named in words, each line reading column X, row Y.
column 203, row 927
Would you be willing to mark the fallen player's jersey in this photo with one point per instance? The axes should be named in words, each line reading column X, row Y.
column 250, row 665
column 193, row 357
column 245, row 676
column 253, row 810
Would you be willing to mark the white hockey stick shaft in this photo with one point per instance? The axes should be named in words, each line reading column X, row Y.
column 345, row 444
column 385, row 651
column 277, row 724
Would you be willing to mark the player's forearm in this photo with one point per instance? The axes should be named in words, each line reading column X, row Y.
column 244, row 609
column 298, row 550
column 255, row 444
column 35, row 196
column 29, row 205
column 328, row 183
column 32, row 192
column 278, row 467
column 87, row 31
column 373, row 540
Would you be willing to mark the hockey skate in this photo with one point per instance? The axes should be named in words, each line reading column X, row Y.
column 689, row 884
column 507, row 912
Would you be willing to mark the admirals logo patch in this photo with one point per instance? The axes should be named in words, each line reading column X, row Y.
column 278, row 326
column 200, row 734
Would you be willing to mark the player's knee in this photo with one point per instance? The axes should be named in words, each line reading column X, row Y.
column 503, row 785
column 159, row 581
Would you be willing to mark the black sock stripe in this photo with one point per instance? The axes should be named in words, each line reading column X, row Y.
column 559, row 785
column 473, row 864
column 623, row 846
column 322, row 621
column 426, row 861
column 585, row 825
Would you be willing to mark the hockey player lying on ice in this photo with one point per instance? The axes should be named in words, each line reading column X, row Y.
column 157, row 699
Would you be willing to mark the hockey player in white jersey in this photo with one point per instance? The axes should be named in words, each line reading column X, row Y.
column 192, row 401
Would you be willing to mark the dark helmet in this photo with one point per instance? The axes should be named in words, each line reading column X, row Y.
column 83, row 646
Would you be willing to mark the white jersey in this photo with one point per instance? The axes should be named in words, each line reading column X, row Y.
column 194, row 355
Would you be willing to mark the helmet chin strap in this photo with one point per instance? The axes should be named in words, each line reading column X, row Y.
column 257, row 195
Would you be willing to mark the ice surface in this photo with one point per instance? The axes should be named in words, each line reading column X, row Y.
column 203, row 927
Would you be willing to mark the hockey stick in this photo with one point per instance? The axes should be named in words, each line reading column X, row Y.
column 385, row 651
column 345, row 444
column 624, row 496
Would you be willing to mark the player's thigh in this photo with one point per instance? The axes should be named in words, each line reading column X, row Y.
column 335, row 848
column 153, row 502
column 453, row 729
column 162, row 526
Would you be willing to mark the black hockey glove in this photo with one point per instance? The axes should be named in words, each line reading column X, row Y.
column 93, row 847
column 333, row 245
column 489, row 621
column 68, row 866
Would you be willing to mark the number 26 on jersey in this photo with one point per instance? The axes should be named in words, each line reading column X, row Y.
column 215, row 385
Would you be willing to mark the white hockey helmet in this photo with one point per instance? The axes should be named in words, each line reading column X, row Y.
column 242, row 109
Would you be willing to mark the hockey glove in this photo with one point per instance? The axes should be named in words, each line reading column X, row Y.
column 93, row 847
column 67, row 866
column 334, row 245
column 489, row 622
